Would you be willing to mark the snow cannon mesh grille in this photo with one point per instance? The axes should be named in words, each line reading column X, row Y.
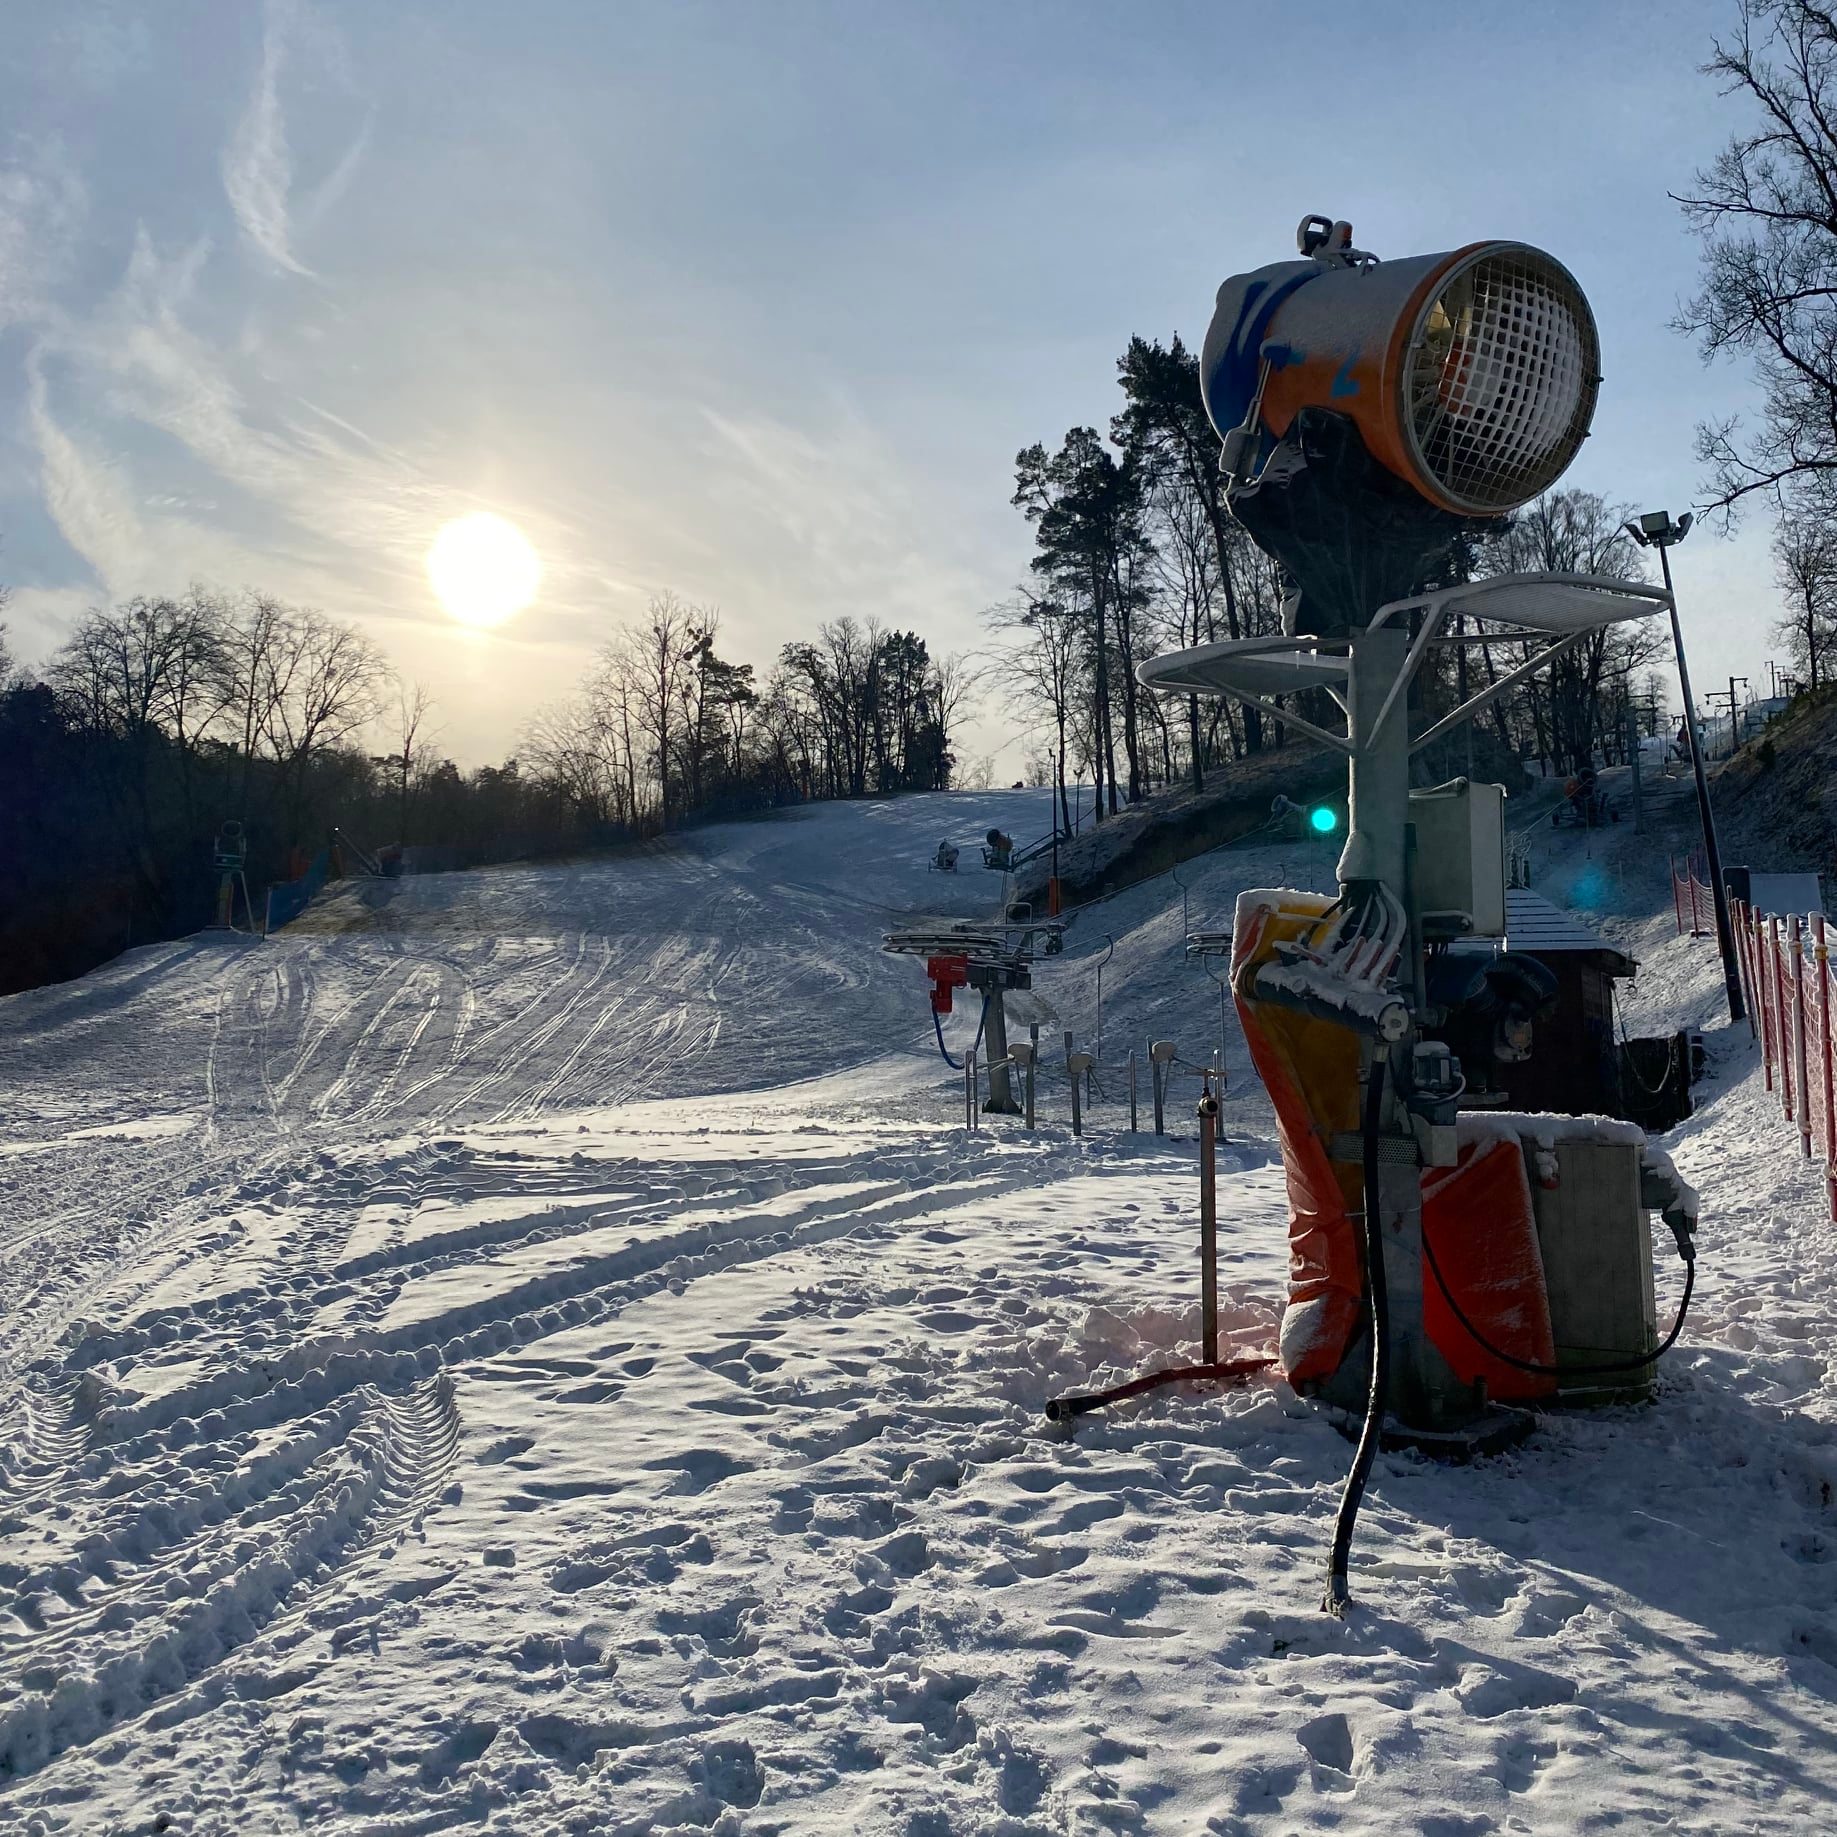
column 1501, row 379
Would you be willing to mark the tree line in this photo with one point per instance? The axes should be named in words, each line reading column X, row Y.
column 163, row 718
column 664, row 728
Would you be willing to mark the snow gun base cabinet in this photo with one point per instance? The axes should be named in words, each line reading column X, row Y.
column 1594, row 1234
column 1516, row 1248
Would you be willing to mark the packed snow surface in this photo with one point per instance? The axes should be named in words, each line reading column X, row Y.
column 536, row 1351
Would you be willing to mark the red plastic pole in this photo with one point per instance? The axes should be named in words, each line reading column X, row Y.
column 1763, row 985
column 1776, row 970
column 1821, row 958
column 1746, row 934
column 1738, row 921
column 1800, row 1083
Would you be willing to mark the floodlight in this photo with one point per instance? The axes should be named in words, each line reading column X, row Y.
column 1323, row 819
column 1655, row 529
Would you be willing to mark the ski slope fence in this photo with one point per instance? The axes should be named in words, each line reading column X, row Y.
column 287, row 898
column 1786, row 973
column 1691, row 897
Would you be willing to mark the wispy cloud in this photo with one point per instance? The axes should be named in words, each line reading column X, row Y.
column 42, row 203
column 832, row 519
column 257, row 168
column 91, row 499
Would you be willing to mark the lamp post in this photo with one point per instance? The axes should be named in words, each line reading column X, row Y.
column 1655, row 529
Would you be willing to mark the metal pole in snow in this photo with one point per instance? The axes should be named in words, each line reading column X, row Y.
column 1162, row 1053
column 1639, row 813
column 1133, row 1124
column 1023, row 1056
column 1077, row 1064
column 1725, row 941
column 1208, row 1223
column 969, row 1089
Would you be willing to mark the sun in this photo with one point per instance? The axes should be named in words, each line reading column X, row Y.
column 483, row 568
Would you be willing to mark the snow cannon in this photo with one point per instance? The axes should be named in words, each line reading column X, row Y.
column 1371, row 411
column 1374, row 413
column 1470, row 375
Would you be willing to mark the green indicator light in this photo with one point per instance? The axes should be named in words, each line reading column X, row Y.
column 1323, row 819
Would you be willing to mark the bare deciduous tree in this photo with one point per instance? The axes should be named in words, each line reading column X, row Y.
column 1805, row 570
column 1766, row 213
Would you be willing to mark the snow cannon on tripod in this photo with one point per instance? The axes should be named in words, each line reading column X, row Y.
column 992, row 959
column 229, row 853
column 1449, row 1262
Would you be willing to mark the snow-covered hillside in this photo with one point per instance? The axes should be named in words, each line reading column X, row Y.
column 535, row 1351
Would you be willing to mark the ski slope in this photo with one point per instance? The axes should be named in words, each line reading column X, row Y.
column 534, row 1351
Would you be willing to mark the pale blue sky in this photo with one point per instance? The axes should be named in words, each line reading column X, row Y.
column 754, row 301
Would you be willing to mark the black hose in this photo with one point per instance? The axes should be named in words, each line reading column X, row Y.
column 1563, row 1371
column 1339, row 1596
column 937, row 1025
column 1080, row 1403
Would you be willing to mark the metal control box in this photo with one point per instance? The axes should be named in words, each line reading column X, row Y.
column 1594, row 1234
column 1459, row 863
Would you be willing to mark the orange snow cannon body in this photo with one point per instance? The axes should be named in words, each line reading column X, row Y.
column 1477, row 1215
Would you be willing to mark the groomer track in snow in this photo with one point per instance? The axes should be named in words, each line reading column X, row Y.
column 534, row 1350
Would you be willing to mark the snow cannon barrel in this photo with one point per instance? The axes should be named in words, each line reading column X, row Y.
column 1471, row 375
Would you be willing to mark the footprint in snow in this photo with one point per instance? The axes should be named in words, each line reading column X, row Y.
column 697, row 1469
column 1327, row 1741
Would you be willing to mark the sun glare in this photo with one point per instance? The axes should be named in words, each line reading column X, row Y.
column 483, row 569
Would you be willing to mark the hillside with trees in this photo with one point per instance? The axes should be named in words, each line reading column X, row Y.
column 161, row 719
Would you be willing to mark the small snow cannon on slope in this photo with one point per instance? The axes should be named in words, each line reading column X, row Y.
column 1446, row 1263
column 1585, row 805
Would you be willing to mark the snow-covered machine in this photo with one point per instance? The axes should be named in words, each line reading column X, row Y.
column 1373, row 415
